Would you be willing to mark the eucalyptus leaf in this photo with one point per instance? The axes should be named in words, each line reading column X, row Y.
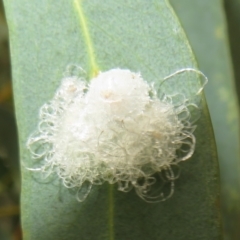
column 143, row 36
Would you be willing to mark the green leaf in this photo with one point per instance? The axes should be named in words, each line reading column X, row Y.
column 205, row 25
column 142, row 36
column 233, row 18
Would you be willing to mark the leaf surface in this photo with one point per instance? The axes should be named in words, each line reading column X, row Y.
column 138, row 35
column 209, row 40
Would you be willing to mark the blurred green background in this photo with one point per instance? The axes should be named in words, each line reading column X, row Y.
column 9, row 163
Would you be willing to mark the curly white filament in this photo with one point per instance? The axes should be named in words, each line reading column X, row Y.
column 114, row 129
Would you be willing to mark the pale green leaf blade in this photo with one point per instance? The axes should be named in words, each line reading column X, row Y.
column 139, row 35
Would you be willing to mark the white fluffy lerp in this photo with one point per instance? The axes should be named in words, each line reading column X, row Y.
column 114, row 129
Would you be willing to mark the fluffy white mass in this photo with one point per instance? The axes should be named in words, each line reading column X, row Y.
column 113, row 129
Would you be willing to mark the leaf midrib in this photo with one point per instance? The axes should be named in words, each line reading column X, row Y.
column 94, row 69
